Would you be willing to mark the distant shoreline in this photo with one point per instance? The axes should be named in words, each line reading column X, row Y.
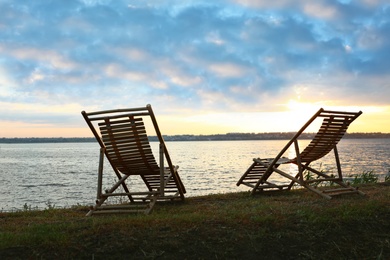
column 215, row 137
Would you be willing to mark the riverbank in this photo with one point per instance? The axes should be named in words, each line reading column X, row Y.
column 289, row 225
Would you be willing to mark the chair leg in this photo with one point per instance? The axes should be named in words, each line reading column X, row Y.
column 336, row 155
column 100, row 173
column 162, row 171
column 99, row 198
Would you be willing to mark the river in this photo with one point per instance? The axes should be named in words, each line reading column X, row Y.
column 43, row 175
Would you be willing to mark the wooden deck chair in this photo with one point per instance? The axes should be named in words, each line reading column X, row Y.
column 124, row 142
column 334, row 126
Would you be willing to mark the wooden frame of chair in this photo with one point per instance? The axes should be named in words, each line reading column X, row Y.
column 124, row 143
column 333, row 128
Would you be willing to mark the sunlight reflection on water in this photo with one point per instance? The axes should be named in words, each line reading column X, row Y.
column 65, row 174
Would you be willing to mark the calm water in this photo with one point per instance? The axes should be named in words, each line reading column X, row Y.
column 65, row 174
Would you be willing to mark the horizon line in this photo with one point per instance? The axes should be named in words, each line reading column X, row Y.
column 231, row 133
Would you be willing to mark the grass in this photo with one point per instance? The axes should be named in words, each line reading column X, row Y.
column 290, row 225
column 365, row 177
column 362, row 178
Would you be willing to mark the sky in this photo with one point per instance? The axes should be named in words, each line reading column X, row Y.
column 206, row 67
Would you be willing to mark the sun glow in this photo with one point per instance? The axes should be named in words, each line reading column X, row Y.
column 372, row 119
column 298, row 113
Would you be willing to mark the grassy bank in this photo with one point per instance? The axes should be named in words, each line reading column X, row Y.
column 289, row 225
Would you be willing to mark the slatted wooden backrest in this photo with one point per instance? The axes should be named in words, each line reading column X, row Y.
column 333, row 128
column 124, row 140
column 127, row 145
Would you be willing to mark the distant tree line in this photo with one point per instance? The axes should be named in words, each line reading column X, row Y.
column 47, row 140
column 215, row 137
